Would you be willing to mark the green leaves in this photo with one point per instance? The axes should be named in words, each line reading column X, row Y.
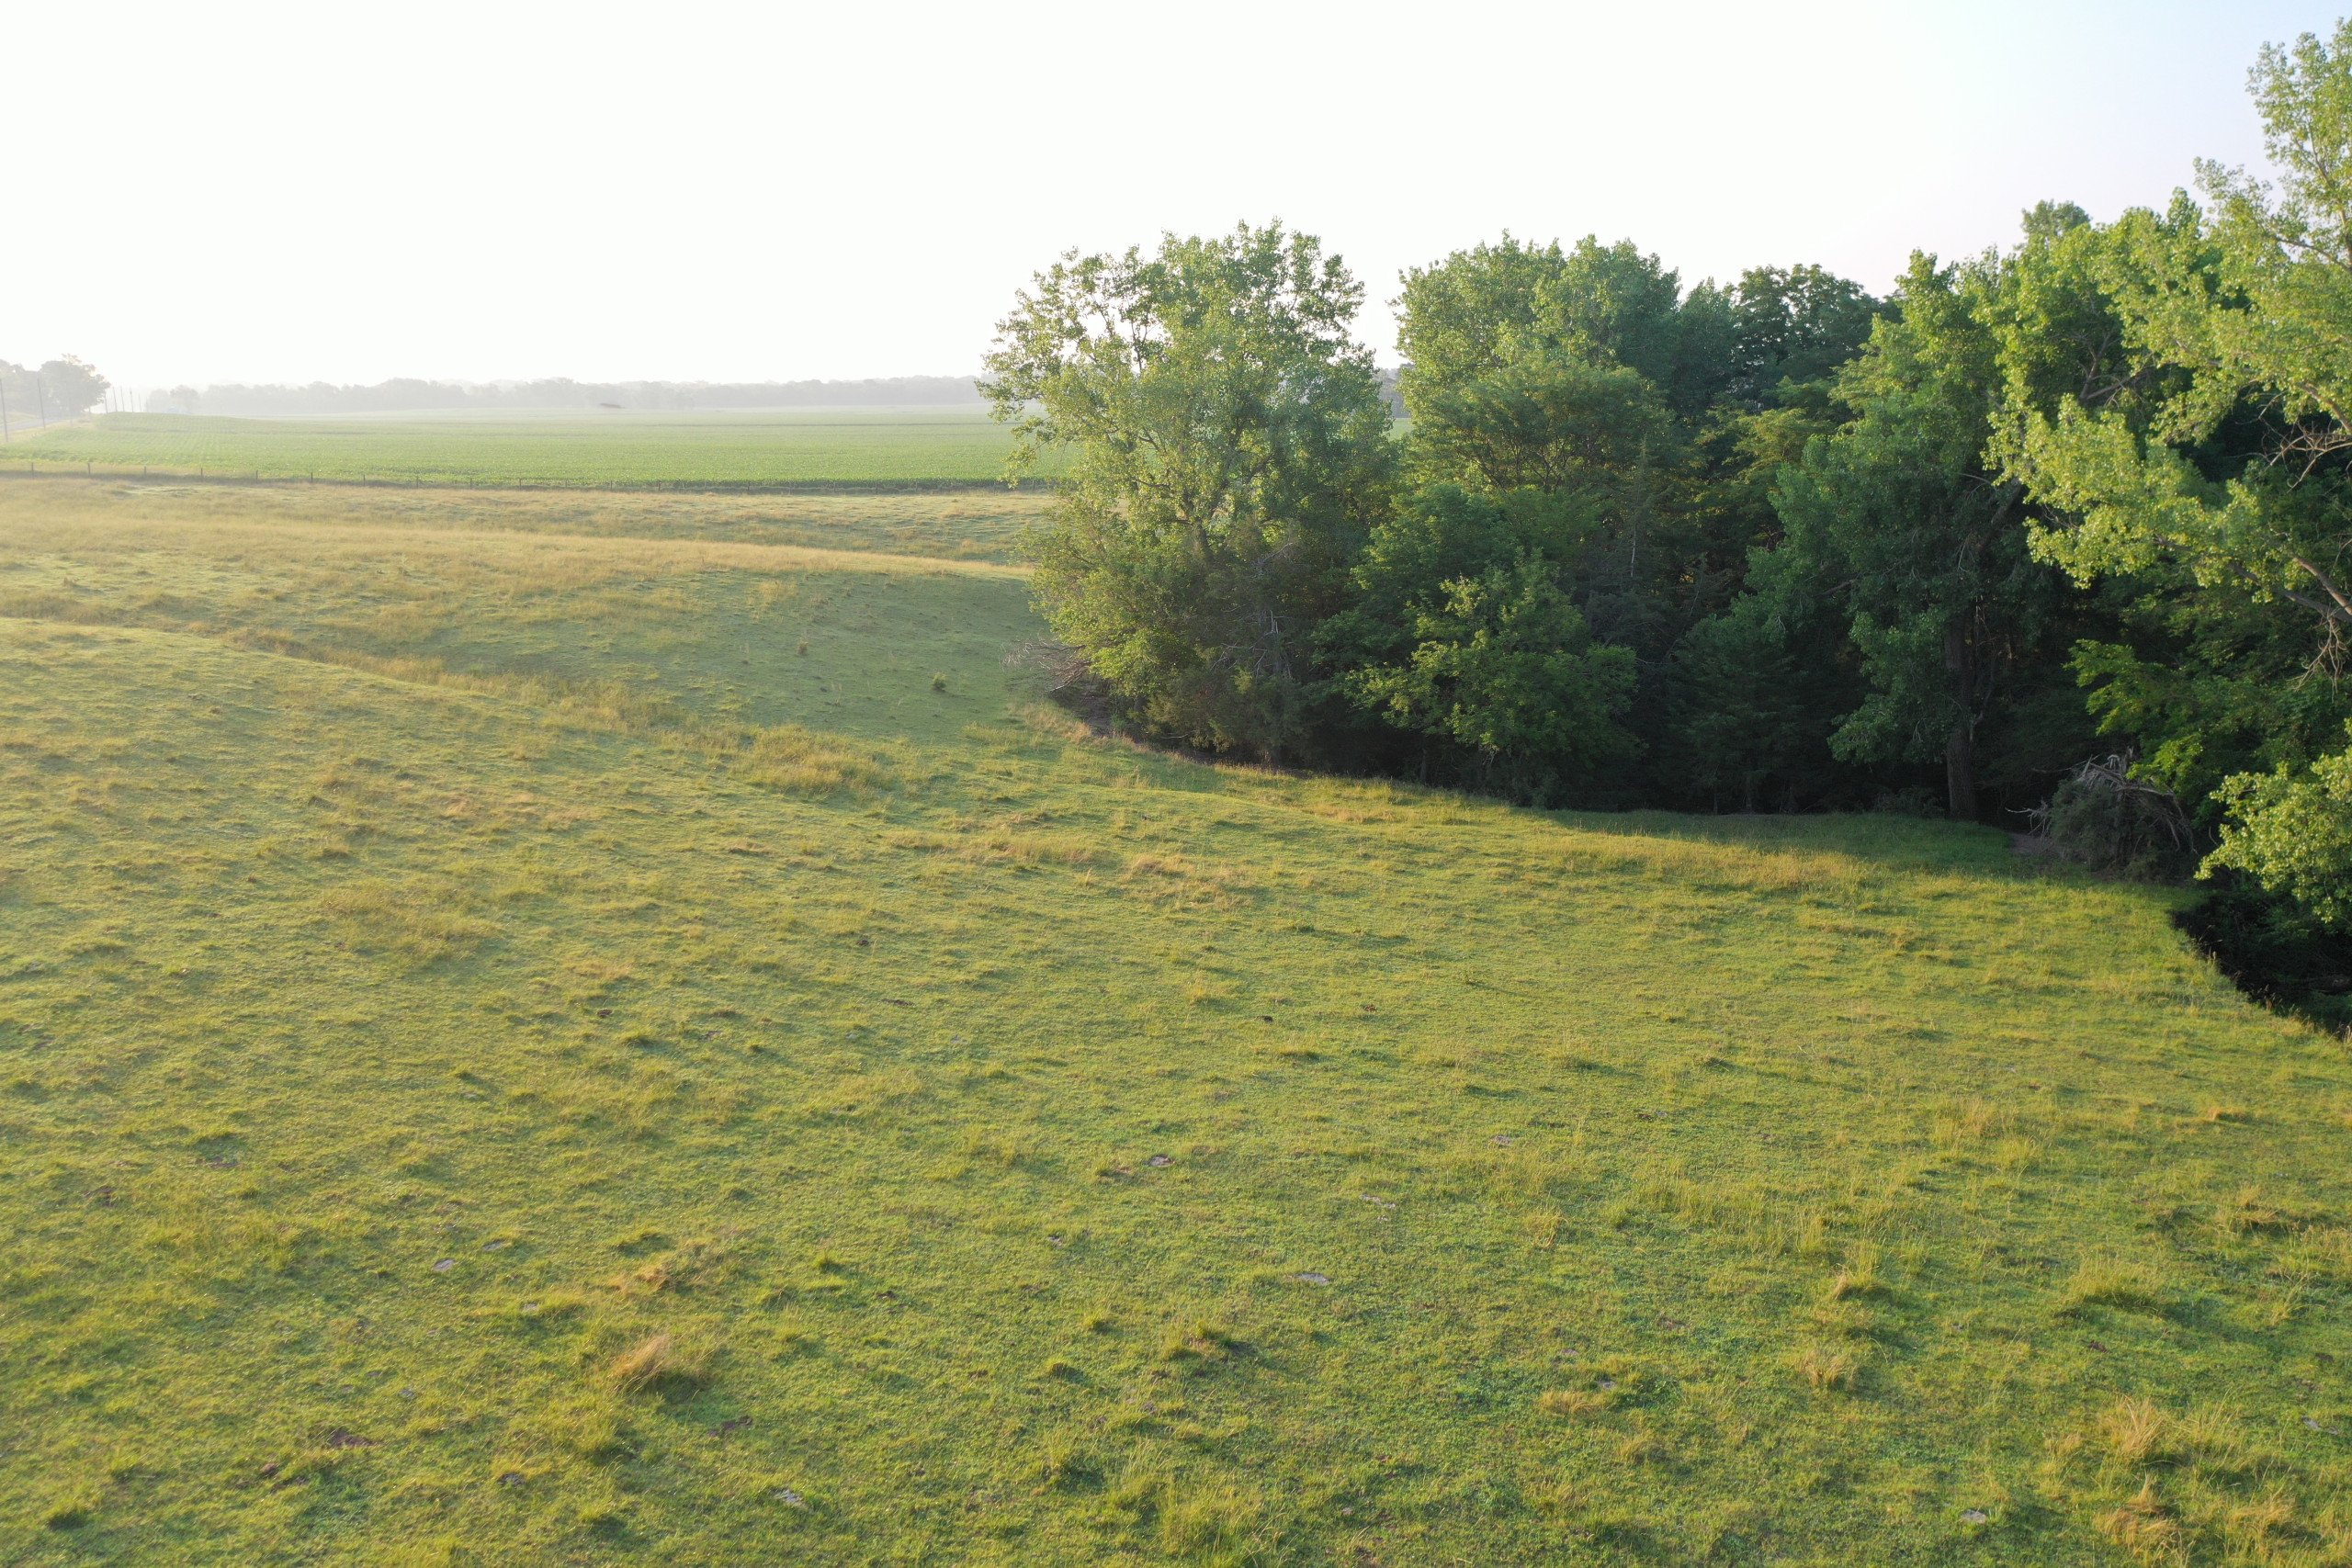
column 1462, row 630
column 1503, row 665
column 2210, row 473
column 2291, row 831
column 1545, row 422
column 1227, row 445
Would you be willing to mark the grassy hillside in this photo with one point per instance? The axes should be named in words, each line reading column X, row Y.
column 530, row 1036
column 846, row 447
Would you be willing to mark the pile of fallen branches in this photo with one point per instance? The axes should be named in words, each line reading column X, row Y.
column 2102, row 816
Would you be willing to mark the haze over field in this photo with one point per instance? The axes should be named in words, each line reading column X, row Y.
column 750, row 193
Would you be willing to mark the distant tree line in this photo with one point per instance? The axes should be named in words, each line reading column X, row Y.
column 1774, row 545
column 64, row 387
column 407, row 395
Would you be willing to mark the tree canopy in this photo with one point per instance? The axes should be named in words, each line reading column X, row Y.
column 1229, row 448
column 2221, row 493
column 1768, row 542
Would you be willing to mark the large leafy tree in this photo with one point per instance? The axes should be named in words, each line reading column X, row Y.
column 69, row 387
column 1555, row 380
column 1892, row 520
column 1572, row 371
column 1791, row 329
column 1524, row 362
column 2227, row 498
column 1226, row 447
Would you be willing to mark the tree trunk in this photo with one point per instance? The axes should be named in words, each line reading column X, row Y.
column 1960, row 770
column 1960, row 745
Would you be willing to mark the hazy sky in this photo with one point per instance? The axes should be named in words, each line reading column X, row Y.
column 214, row 192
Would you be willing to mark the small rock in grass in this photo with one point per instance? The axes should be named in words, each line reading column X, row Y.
column 496, row 1244
column 510, row 1478
column 444, row 1266
column 1159, row 1160
column 1311, row 1278
column 789, row 1498
column 1973, row 1515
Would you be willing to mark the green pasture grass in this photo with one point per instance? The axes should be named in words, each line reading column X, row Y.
column 981, row 524
column 535, row 1043
column 861, row 447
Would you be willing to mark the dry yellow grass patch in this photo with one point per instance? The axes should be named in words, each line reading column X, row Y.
column 1569, row 1402
column 1825, row 1368
column 655, row 1362
column 800, row 762
column 2146, row 1529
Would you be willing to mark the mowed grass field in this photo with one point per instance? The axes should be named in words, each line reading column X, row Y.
column 618, row 1030
column 853, row 447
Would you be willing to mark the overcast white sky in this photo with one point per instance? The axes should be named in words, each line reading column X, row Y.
column 347, row 191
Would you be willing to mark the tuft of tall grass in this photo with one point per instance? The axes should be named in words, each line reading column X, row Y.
column 1827, row 1368
column 658, row 1363
column 2112, row 1282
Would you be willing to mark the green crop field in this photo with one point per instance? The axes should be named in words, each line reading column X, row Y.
column 620, row 1029
column 843, row 447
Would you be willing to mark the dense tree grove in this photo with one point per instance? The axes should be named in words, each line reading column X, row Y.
column 1774, row 545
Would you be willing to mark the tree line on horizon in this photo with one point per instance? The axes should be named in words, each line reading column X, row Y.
column 2061, row 529
column 67, row 387
column 408, row 394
